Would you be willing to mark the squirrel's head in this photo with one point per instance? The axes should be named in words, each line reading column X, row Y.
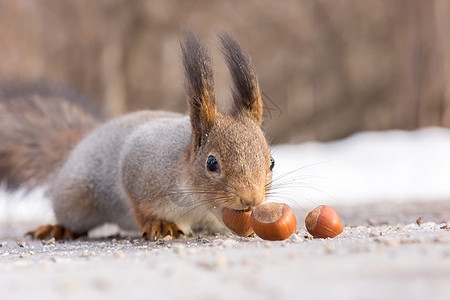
column 231, row 160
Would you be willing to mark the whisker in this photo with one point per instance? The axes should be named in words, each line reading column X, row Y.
column 206, row 204
column 299, row 169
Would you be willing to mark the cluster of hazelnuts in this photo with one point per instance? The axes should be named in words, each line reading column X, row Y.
column 277, row 222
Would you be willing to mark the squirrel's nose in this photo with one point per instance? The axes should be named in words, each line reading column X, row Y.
column 252, row 197
column 251, row 202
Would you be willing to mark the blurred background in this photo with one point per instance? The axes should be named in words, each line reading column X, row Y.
column 328, row 69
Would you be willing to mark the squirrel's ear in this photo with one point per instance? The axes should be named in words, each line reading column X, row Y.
column 246, row 94
column 199, row 86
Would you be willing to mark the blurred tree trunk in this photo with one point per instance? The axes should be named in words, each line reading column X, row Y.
column 428, row 68
column 442, row 9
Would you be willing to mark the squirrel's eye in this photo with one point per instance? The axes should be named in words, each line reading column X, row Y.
column 272, row 163
column 211, row 164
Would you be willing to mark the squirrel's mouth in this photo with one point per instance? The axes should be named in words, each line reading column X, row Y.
column 242, row 204
column 247, row 209
column 238, row 208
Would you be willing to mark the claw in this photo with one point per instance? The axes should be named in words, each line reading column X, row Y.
column 154, row 230
column 167, row 230
column 53, row 231
column 151, row 231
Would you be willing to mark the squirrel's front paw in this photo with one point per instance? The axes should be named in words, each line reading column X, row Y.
column 53, row 231
column 154, row 230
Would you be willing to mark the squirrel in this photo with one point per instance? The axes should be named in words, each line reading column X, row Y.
column 163, row 173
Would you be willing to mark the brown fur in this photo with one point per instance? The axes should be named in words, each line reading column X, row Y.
column 244, row 159
column 39, row 126
column 200, row 87
column 247, row 97
column 236, row 139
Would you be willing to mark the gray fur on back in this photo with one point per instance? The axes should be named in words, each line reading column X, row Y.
column 90, row 179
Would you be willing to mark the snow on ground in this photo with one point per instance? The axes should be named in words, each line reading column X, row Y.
column 369, row 167
column 393, row 166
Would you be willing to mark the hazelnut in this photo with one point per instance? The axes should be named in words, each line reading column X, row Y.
column 323, row 222
column 273, row 221
column 238, row 221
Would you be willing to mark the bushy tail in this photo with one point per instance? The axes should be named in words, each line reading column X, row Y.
column 39, row 126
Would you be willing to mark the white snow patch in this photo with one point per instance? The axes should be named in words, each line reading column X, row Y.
column 395, row 165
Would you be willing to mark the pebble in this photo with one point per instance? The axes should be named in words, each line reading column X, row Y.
column 411, row 226
column 360, row 228
column 296, row 238
column 375, row 232
column 218, row 242
column 229, row 243
column 50, row 242
column 167, row 238
column 22, row 244
column 419, row 221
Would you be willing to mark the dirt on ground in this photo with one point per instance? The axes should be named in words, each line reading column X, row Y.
column 385, row 252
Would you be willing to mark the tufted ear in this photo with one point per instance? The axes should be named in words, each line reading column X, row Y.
column 246, row 94
column 199, row 86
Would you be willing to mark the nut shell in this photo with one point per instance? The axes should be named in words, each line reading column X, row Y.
column 323, row 222
column 238, row 221
column 273, row 221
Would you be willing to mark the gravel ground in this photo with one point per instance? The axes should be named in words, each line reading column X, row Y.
column 382, row 253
